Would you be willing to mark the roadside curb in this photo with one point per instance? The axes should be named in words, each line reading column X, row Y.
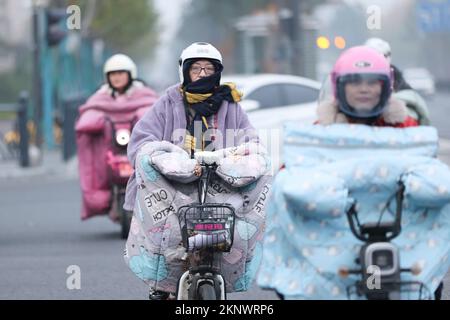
column 11, row 170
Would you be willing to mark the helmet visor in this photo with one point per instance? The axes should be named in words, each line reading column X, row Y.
column 363, row 95
column 326, row 94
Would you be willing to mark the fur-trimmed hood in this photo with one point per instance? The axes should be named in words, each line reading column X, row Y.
column 136, row 85
column 395, row 113
column 138, row 96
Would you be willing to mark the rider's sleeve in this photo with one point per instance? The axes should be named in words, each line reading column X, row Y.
column 148, row 129
column 170, row 160
column 427, row 185
column 248, row 160
column 147, row 139
column 91, row 121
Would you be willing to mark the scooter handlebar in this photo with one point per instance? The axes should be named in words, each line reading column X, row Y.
column 207, row 157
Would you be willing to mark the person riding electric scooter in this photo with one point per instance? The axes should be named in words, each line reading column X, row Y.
column 417, row 106
column 197, row 114
column 103, row 130
column 361, row 209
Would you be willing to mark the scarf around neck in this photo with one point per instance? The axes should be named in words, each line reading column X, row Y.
column 204, row 104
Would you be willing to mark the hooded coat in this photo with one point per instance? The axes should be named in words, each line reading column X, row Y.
column 394, row 115
column 93, row 138
column 164, row 181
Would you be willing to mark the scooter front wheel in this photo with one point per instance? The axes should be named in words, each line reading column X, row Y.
column 279, row 295
column 125, row 218
column 125, row 223
column 206, row 291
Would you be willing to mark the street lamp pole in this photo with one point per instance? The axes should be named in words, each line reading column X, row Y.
column 37, row 79
column 295, row 37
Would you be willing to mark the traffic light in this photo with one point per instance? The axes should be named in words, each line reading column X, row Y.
column 55, row 31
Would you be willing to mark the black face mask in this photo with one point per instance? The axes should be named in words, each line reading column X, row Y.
column 203, row 85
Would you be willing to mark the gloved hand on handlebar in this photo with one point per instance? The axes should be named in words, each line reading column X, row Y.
column 207, row 157
column 238, row 166
column 171, row 161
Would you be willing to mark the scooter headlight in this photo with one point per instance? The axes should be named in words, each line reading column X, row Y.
column 123, row 137
column 385, row 256
column 383, row 259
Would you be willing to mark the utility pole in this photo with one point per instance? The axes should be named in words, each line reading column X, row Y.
column 292, row 28
column 297, row 59
column 37, row 79
column 301, row 33
column 48, row 32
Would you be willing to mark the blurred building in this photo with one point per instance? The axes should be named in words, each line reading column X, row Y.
column 277, row 40
column 342, row 24
column 15, row 30
column 432, row 22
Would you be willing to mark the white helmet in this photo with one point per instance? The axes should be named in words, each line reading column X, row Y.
column 120, row 62
column 381, row 46
column 198, row 50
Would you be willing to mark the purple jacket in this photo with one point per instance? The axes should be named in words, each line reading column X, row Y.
column 168, row 116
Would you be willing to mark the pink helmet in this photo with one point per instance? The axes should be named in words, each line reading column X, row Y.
column 354, row 64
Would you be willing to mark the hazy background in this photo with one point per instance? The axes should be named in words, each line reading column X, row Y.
column 254, row 35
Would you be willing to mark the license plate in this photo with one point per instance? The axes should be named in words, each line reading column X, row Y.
column 209, row 226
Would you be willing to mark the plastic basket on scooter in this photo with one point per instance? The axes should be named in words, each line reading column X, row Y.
column 392, row 290
column 207, row 226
